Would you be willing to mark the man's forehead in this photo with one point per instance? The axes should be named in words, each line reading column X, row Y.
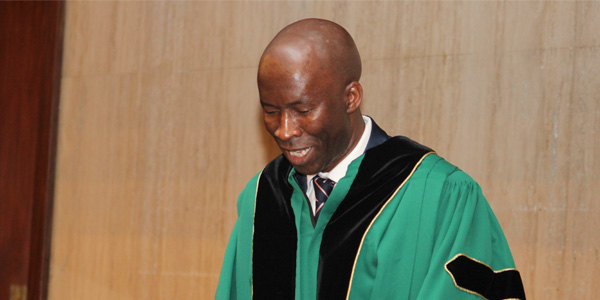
column 295, row 61
column 291, row 50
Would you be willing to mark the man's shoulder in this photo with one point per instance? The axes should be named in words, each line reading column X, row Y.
column 430, row 163
column 436, row 168
column 403, row 145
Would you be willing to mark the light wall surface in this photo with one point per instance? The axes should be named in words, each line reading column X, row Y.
column 160, row 129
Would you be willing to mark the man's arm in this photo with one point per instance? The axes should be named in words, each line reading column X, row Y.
column 471, row 257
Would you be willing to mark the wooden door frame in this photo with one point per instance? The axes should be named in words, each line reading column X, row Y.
column 41, row 225
column 32, row 38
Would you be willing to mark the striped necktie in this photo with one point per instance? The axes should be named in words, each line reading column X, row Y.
column 323, row 187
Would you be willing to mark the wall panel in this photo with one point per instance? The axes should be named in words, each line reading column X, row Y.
column 160, row 129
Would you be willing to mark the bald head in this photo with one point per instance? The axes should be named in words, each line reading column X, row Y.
column 317, row 45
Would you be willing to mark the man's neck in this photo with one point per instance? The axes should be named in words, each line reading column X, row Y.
column 339, row 171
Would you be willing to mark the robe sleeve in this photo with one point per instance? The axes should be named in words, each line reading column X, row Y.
column 470, row 257
column 235, row 281
column 226, row 288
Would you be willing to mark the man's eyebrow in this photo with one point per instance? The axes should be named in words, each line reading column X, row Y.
column 297, row 102
column 263, row 103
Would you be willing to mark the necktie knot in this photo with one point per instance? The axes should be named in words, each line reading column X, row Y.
column 322, row 187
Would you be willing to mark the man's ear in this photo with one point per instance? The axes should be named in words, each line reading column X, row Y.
column 354, row 94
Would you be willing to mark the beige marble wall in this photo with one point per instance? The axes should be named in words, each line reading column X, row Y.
column 159, row 130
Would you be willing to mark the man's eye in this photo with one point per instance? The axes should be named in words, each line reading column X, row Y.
column 303, row 111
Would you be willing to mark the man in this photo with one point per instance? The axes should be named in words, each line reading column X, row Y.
column 347, row 212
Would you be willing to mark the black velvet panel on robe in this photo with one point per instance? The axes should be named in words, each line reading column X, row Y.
column 275, row 239
column 383, row 169
column 478, row 278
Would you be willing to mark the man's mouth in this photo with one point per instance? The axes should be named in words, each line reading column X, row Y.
column 299, row 153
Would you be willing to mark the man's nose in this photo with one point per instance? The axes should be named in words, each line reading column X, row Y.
column 287, row 127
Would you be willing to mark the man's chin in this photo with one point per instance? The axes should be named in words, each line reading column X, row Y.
column 304, row 170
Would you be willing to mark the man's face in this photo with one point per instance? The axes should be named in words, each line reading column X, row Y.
column 305, row 112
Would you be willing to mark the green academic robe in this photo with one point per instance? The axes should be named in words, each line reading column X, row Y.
column 402, row 224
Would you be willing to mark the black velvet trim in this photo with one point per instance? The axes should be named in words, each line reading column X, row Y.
column 478, row 278
column 275, row 237
column 378, row 136
column 380, row 174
